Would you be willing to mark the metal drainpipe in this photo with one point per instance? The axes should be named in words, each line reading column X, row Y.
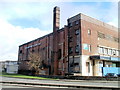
column 68, row 50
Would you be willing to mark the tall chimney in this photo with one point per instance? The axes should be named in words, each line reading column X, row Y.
column 56, row 18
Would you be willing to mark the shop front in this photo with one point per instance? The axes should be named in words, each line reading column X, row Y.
column 105, row 64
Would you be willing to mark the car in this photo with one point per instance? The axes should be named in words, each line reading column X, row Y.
column 118, row 75
column 111, row 75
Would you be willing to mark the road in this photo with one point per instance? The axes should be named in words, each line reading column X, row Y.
column 30, row 87
column 86, row 83
column 22, row 87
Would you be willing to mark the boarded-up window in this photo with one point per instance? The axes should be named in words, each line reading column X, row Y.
column 115, row 39
column 108, row 37
column 59, row 54
column 101, row 35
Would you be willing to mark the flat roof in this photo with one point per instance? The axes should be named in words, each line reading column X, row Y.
column 60, row 30
column 92, row 20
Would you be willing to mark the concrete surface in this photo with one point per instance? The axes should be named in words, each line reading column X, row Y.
column 63, row 83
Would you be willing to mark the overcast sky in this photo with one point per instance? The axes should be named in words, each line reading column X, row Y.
column 21, row 22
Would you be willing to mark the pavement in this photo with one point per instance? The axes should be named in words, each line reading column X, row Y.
column 63, row 83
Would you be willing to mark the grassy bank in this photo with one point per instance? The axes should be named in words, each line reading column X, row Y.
column 22, row 76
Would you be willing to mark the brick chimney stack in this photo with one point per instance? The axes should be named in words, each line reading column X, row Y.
column 56, row 18
column 56, row 24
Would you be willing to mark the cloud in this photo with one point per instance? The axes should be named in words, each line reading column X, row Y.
column 23, row 22
column 114, row 22
column 111, row 15
column 25, row 14
column 59, row 1
column 38, row 14
column 106, row 12
column 12, row 36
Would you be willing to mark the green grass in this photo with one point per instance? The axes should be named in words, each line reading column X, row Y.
column 24, row 76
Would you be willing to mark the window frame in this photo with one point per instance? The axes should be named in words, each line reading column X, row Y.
column 77, row 49
column 20, row 51
column 76, row 22
column 117, row 52
column 59, row 53
column 70, row 50
column 109, row 51
column 89, row 31
column 70, row 39
column 105, row 51
column 113, row 52
column 89, row 47
column 100, row 50
column 77, row 31
column 70, row 24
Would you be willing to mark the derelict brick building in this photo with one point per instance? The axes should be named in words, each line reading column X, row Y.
column 85, row 47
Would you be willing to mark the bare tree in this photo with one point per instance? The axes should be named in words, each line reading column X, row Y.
column 35, row 62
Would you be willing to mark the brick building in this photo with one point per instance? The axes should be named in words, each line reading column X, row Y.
column 85, row 47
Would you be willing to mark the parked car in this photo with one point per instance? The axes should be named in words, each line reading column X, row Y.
column 118, row 75
column 111, row 75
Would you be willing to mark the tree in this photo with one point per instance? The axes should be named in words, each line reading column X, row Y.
column 35, row 62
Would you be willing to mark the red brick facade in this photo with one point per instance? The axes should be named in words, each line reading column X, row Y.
column 72, row 45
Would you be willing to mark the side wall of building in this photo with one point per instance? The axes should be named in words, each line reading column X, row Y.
column 41, row 46
column 68, row 50
column 96, row 34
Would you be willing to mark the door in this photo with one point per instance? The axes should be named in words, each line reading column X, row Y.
column 87, row 68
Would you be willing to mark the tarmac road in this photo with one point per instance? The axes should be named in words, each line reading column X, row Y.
column 86, row 83
column 27, row 87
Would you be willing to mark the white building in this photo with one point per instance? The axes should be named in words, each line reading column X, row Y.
column 11, row 67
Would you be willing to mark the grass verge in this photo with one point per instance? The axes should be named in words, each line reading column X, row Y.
column 24, row 76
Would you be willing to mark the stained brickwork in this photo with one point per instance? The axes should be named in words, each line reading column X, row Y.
column 68, row 50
